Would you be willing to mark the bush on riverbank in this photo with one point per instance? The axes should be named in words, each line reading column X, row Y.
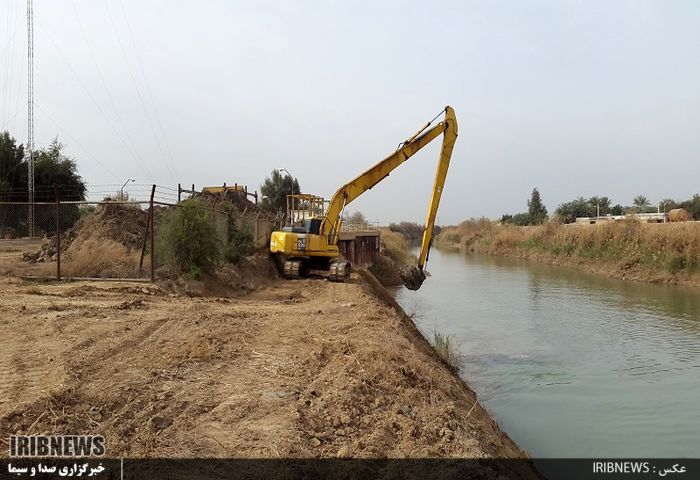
column 663, row 253
column 395, row 254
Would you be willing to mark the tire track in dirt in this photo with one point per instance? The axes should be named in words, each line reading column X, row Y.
column 28, row 366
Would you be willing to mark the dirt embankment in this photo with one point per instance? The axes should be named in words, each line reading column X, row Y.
column 656, row 253
column 296, row 369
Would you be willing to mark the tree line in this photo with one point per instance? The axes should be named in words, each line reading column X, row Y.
column 51, row 167
column 567, row 212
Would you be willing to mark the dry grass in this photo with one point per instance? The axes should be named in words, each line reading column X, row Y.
column 667, row 253
column 100, row 257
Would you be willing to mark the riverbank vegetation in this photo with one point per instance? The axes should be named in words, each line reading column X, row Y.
column 411, row 231
column 659, row 253
column 448, row 349
column 394, row 255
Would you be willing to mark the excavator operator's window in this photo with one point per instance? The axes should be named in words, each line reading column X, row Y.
column 314, row 226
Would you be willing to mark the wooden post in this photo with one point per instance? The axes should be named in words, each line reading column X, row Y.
column 179, row 192
column 256, row 229
column 147, row 230
column 153, row 253
column 145, row 237
column 58, row 233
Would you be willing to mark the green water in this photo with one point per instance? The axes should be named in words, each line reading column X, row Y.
column 570, row 364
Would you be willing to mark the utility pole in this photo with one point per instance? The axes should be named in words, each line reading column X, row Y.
column 30, row 113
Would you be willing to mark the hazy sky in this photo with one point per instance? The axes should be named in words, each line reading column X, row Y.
column 577, row 98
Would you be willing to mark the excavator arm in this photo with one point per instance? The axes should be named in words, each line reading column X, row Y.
column 413, row 278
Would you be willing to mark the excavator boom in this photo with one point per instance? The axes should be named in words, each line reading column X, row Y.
column 330, row 227
column 319, row 243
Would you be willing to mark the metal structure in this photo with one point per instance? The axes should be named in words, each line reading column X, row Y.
column 304, row 206
column 30, row 114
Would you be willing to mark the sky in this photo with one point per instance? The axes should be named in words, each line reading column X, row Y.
column 576, row 98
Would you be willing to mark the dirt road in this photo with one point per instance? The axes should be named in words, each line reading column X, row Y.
column 297, row 369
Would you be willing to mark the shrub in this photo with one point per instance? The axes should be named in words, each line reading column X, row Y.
column 187, row 239
column 240, row 239
column 240, row 244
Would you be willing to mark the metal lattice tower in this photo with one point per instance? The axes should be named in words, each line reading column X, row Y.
column 30, row 113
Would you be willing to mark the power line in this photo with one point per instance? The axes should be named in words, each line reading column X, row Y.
column 92, row 98
column 148, row 88
column 102, row 79
column 138, row 91
column 9, row 38
column 76, row 142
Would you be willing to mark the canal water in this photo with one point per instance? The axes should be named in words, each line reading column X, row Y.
column 570, row 364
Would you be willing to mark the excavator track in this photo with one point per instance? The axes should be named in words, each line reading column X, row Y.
column 294, row 269
column 339, row 271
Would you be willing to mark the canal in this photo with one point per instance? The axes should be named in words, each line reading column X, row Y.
column 570, row 364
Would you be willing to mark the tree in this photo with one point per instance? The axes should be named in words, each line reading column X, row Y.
column 51, row 167
column 188, row 240
column 570, row 211
column 520, row 219
column 617, row 209
column 275, row 189
column 667, row 204
column 357, row 218
column 11, row 156
column 692, row 206
column 641, row 203
column 535, row 208
column 600, row 205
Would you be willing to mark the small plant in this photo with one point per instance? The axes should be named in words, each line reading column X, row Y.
column 188, row 240
column 195, row 273
column 447, row 348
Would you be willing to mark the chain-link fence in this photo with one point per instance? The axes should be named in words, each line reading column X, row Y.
column 113, row 239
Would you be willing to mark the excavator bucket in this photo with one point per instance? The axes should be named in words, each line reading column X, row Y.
column 412, row 277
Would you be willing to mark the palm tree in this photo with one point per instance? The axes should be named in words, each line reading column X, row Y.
column 641, row 202
column 667, row 204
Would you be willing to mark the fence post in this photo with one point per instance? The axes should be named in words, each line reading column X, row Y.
column 153, row 253
column 58, row 233
column 147, row 230
column 145, row 238
column 256, row 229
column 179, row 192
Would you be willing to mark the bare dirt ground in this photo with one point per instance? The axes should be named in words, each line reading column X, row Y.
column 302, row 368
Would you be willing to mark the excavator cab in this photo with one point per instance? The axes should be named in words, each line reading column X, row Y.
column 312, row 226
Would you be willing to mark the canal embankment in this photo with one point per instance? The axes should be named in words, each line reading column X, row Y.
column 656, row 253
column 293, row 369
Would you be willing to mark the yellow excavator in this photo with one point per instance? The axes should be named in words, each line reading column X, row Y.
column 315, row 246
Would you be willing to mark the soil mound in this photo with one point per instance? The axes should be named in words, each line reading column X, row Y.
column 236, row 198
column 103, row 243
